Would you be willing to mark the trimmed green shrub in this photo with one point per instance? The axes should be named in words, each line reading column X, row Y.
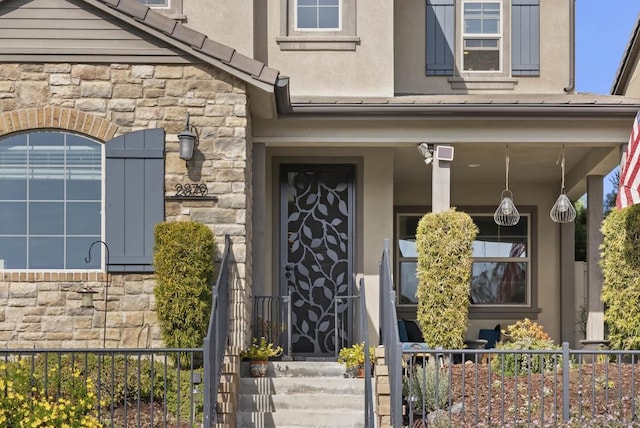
column 620, row 261
column 525, row 335
column 444, row 243
column 183, row 259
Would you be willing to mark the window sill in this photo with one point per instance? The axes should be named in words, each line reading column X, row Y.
column 318, row 43
column 497, row 312
column 486, row 83
column 481, row 313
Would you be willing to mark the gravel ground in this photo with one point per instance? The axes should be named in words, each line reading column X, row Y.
column 600, row 395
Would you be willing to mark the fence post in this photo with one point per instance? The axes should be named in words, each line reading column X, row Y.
column 566, row 363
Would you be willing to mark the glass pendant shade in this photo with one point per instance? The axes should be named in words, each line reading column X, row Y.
column 563, row 210
column 506, row 214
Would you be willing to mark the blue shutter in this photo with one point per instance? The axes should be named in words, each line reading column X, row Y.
column 134, row 193
column 525, row 37
column 440, row 37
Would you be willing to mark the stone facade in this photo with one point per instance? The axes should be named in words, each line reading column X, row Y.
column 42, row 309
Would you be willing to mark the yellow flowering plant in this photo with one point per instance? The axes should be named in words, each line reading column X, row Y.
column 24, row 402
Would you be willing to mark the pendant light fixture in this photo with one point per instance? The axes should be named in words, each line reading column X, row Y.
column 507, row 214
column 563, row 210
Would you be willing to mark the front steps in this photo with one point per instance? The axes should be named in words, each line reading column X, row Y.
column 300, row 394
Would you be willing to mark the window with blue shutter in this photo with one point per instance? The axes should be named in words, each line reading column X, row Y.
column 440, row 37
column 134, row 198
column 525, row 38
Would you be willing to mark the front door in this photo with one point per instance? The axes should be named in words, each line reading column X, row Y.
column 317, row 224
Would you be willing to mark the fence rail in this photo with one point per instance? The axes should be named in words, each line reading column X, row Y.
column 216, row 340
column 102, row 387
column 489, row 387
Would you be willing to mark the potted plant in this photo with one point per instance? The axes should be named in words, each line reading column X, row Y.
column 353, row 358
column 259, row 353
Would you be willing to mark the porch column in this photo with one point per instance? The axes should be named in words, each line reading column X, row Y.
column 595, row 319
column 440, row 185
column 567, row 283
column 258, row 184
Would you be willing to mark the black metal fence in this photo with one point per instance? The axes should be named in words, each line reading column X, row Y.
column 120, row 387
column 217, row 337
column 389, row 336
column 271, row 320
column 101, row 387
column 562, row 387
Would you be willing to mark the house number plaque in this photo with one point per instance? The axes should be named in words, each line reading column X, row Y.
column 192, row 192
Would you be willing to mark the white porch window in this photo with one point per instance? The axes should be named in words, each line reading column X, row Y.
column 482, row 36
column 501, row 272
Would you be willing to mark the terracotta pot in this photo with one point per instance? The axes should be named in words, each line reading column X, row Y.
column 258, row 368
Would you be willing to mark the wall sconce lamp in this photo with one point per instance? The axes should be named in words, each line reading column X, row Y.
column 87, row 294
column 188, row 140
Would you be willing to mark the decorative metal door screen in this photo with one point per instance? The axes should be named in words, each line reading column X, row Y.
column 317, row 209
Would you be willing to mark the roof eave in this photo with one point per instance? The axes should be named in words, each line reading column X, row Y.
column 464, row 110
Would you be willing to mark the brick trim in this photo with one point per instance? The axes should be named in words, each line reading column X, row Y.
column 53, row 276
column 57, row 118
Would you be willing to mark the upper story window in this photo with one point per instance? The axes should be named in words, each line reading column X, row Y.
column 50, row 200
column 481, row 37
column 501, row 277
column 499, row 37
column 318, row 25
column 318, row 15
column 172, row 8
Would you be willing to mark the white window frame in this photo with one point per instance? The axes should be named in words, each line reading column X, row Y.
column 171, row 8
column 102, row 209
column 316, row 29
column 481, row 36
column 292, row 38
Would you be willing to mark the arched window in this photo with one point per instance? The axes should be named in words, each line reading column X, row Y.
column 51, row 195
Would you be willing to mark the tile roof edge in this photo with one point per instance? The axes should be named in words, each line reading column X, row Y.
column 191, row 42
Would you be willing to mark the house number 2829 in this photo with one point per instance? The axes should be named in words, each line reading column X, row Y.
column 195, row 189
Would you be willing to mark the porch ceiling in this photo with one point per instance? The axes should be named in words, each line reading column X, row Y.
column 529, row 164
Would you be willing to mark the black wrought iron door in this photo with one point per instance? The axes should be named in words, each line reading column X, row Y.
column 317, row 212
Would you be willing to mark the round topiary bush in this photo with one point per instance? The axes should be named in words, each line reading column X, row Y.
column 620, row 261
column 445, row 254
column 183, row 259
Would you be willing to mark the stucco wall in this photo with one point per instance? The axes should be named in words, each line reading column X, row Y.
column 410, row 48
column 43, row 309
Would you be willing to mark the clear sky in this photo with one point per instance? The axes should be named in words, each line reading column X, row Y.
column 603, row 29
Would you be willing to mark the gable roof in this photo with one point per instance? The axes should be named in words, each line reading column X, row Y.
column 628, row 61
column 182, row 39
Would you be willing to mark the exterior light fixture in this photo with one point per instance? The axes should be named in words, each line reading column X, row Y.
column 188, row 140
column 426, row 150
column 87, row 294
column 507, row 214
column 563, row 210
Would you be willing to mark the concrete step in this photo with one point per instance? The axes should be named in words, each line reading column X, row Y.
column 280, row 403
column 301, row 385
column 300, row 419
column 299, row 369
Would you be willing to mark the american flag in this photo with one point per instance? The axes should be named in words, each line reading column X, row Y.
column 629, row 186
